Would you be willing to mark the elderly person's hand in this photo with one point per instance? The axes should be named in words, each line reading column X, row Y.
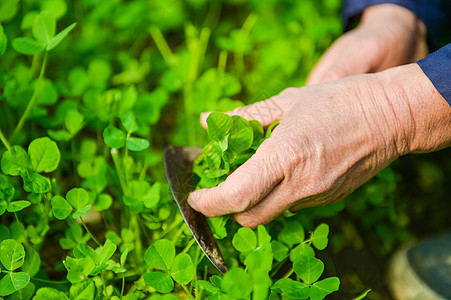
column 388, row 35
column 331, row 139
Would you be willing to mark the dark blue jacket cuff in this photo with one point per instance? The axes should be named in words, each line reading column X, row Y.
column 437, row 67
column 431, row 12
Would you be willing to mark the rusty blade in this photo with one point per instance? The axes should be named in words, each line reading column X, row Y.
column 178, row 162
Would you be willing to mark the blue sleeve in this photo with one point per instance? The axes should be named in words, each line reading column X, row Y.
column 437, row 67
column 431, row 12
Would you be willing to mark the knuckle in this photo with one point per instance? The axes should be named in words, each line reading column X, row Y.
column 238, row 200
column 248, row 220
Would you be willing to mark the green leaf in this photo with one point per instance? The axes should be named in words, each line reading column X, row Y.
column 3, row 206
column 137, row 144
column 241, row 135
column 219, row 125
column 152, row 196
column 308, row 268
column 258, row 262
column 161, row 282
column 47, row 93
column 8, row 9
column 32, row 262
column 16, row 206
column 279, row 250
column 12, row 282
column 111, row 235
column 83, row 291
column 6, row 192
column 302, row 249
column 24, row 294
column 103, row 202
column 39, row 184
column 26, row 45
column 244, row 240
column 61, row 208
column 264, row 239
column 292, row 233
column 78, row 198
column 74, row 121
column 15, row 161
column 35, row 182
column 257, row 129
column 237, row 283
column 363, row 295
column 206, row 286
column 160, row 255
column 12, row 254
column 319, row 237
column 270, row 129
column 106, row 251
column 322, row 288
column 59, row 37
column 44, row 155
column 113, row 137
column 44, row 27
column 291, row 288
column 182, row 270
column 3, row 41
column 129, row 122
column 47, row 293
column 81, row 211
column 83, row 250
column 59, row 135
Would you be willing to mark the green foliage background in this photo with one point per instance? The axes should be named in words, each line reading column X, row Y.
column 83, row 198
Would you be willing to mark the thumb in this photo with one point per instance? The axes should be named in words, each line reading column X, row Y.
column 243, row 189
column 266, row 112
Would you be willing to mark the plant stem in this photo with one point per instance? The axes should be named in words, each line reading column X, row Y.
column 4, row 140
column 50, row 281
column 179, row 232
column 241, row 41
column 123, row 285
column 162, row 45
column 188, row 246
column 222, row 62
column 104, row 285
column 22, row 228
column 188, row 293
column 288, row 274
column 32, row 102
column 119, row 170
column 89, row 232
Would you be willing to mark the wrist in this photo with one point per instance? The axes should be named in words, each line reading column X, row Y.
column 420, row 116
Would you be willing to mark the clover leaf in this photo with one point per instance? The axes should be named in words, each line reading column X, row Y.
column 292, row 233
column 182, row 269
column 322, row 288
column 319, row 237
column 44, row 155
column 161, row 282
column 244, row 240
column 12, row 254
column 160, row 255
column 308, row 268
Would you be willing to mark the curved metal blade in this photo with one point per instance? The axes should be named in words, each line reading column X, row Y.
column 178, row 162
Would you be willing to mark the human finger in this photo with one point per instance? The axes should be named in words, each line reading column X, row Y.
column 245, row 187
column 266, row 112
column 350, row 55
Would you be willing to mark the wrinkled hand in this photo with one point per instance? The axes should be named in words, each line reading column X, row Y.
column 332, row 138
column 387, row 36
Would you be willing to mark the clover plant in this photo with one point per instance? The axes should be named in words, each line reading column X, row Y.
column 90, row 94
